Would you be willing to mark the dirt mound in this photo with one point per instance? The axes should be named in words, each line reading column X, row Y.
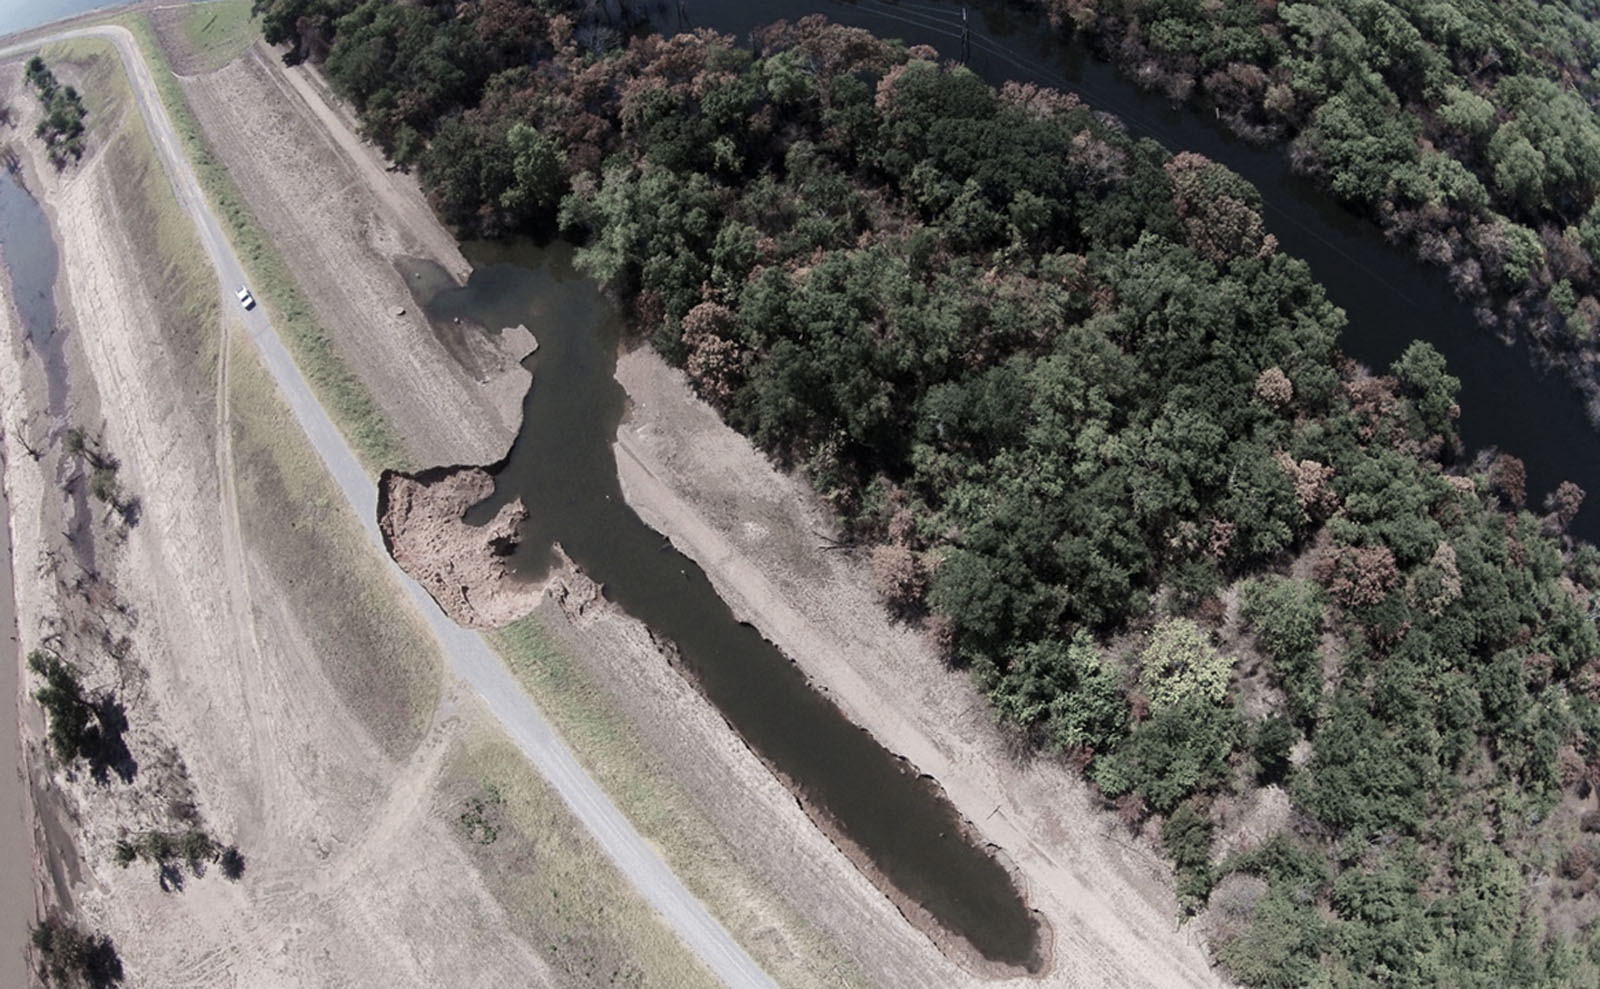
column 464, row 567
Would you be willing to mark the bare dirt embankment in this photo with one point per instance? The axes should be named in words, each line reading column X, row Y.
column 765, row 541
column 736, row 836
column 464, row 567
column 272, row 678
column 341, row 221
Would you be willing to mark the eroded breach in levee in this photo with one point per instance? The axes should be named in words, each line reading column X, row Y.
column 487, row 542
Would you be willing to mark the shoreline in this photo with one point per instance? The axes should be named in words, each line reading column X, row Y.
column 16, row 798
column 1107, row 904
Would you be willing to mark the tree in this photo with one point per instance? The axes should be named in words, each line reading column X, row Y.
column 1180, row 662
column 1286, row 616
column 1274, row 737
column 1180, row 751
column 1186, row 833
column 1432, row 390
column 80, row 726
column 68, row 956
column 538, row 165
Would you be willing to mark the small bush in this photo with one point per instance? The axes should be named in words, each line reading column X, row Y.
column 69, row 956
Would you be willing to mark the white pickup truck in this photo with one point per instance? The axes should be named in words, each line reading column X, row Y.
column 246, row 300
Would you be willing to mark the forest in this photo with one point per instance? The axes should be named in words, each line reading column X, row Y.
column 1096, row 433
column 1467, row 129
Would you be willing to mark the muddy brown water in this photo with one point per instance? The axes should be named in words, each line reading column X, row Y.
column 563, row 468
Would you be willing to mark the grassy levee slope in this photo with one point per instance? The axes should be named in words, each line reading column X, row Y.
column 219, row 31
column 379, row 656
column 637, row 777
column 176, row 270
column 340, row 390
column 571, row 903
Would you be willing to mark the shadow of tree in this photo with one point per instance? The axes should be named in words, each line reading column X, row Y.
column 232, row 863
column 106, row 750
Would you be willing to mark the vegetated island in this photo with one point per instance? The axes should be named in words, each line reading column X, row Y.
column 1468, row 130
column 1096, row 433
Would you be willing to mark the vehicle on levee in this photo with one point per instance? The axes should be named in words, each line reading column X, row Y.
column 246, row 300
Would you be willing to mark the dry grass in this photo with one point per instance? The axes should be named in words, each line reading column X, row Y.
column 644, row 787
column 219, row 31
column 567, row 899
column 175, row 269
column 374, row 649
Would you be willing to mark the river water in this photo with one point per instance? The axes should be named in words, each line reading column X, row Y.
column 562, row 466
column 29, row 253
column 1390, row 298
column 20, row 15
column 563, row 469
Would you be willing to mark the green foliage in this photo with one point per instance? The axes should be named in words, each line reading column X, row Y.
column 1274, row 738
column 480, row 817
column 1286, row 617
column 103, row 485
column 538, row 176
column 1467, row 128
column 72, row 725
column 1069, row 691
column 168, row 851
column 1180, row 751
column 1179, row 663
column 1186, row 833
column 80, row 726
column 1430, row 387
column 67, row 956
column 62, row 127
column 1360, row 778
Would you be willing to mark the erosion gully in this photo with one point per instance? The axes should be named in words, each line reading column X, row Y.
column 563, row 469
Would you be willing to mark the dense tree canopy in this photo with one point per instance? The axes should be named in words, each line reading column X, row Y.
column 1468, row 128
column 1099, row 431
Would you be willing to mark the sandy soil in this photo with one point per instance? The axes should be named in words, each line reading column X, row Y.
column 350, row 877
column 755, row 532
column 368, row 222
column 464, row 567
column 761, row 536
column 774, row 838
column 340, row 220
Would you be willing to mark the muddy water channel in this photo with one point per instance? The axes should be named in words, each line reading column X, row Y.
column 563, row 469
column 562, row 465
column 1390, row 298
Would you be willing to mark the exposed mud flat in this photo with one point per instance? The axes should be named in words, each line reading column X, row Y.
column 464, row 567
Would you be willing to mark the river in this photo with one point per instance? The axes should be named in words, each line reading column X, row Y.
column 1390, row 298
column 563, row 469
column 562, row 466
column 20, row 15
column 30, row 257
